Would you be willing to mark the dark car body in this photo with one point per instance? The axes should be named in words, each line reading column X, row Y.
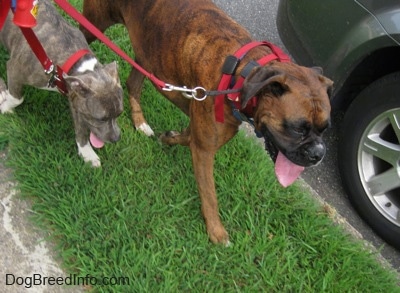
column 357, row 43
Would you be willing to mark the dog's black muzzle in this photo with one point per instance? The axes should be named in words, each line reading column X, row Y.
column 306, row 154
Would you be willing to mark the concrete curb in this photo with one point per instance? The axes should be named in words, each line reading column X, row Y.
column 25, row 253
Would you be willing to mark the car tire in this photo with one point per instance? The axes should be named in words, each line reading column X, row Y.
column 369, row 156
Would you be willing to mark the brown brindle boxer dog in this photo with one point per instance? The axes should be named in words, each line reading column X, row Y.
column 186, row 42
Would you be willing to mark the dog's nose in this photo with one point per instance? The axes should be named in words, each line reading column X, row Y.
column 316, row 152
column 115, row 132
column 115, row 137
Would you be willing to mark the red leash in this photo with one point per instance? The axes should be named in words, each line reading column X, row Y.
column 5, row 6
column 25, row 18
column 56, row 72
column 71, row 11
column 197, row 93
column 228, row 69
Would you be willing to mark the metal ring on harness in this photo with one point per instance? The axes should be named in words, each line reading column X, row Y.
column 195, row 93
column 187, row 93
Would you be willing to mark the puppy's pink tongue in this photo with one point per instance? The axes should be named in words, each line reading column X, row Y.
column 95, row 141
column 286, row 171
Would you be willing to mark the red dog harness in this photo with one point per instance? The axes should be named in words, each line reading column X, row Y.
column 54, row 71
column 228, row 70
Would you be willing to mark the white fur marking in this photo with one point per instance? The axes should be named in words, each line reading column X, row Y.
column 88, row 154
column 51, row 89
column 87, row 65
column 146, row 129
column 8, row 102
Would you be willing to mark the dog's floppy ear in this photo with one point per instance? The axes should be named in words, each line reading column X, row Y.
column 262, row 78
column 77, row 84
column 324, row 80
column 318, row 70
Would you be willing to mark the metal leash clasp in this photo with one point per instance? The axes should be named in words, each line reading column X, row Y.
column 198, row 93
column 52, row 71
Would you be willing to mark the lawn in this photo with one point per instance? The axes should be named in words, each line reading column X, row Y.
column 138, row 216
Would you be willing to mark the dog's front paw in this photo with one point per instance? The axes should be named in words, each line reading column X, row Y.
column 218, row 235
column 94, row 161
column 146, row 129
column 89, row 155
column 8, row 102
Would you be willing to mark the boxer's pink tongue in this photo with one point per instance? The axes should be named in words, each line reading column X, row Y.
column 286, row 171
column 95, row 141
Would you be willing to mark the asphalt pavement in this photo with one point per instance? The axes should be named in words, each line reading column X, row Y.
column 259, row 17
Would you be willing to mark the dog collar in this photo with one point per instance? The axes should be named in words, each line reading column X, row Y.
column 73, row 59
column 57, row 73
column 227, row 79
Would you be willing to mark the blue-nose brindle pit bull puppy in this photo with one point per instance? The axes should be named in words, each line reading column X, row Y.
column 185, row 43
column 94, row 91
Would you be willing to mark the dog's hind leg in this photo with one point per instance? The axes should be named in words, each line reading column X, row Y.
column 134, row 84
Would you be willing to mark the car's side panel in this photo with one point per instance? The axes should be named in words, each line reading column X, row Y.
column 387, row 13
column 339, row 42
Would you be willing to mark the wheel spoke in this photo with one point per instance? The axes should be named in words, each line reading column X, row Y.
column 384, row 182
column 395, row 122
column 382, row 149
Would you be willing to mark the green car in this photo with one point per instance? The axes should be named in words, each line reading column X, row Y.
column 357, row 43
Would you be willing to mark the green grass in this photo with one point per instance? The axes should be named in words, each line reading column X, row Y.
column 139, row 215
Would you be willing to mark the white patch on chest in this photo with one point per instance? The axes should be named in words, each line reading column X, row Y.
column 87, row 65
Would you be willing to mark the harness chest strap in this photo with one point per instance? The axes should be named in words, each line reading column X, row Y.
column 56, row 72
column 229, row 68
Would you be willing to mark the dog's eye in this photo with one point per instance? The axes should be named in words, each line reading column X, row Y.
column 300, row 132
column 324, row 128
column 298, row 129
